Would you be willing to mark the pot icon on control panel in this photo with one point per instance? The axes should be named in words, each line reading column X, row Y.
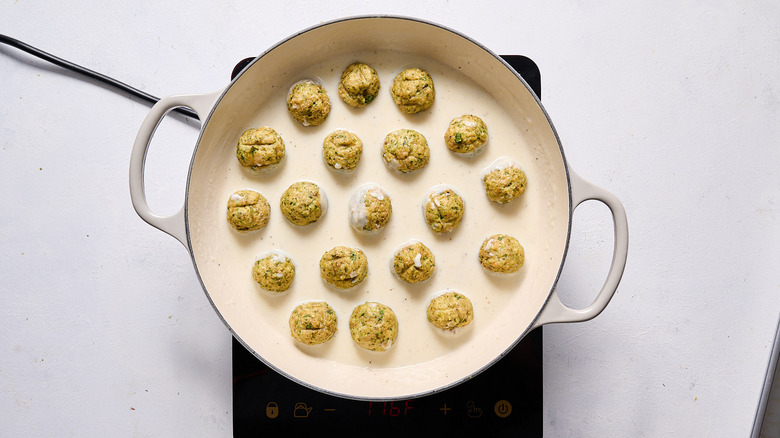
column 301, row 410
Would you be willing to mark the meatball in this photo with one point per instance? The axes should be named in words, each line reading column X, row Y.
column 344, row 267
column 413, row 90
column 260, row 149
column 303, row 203
column 247, row 210
column 504, row 181
column 502, row 254
column 414, row 262
column 274, row 272
column 308, row 103
column 359, row 85
column 369, row 208
column 443, row 209
column 313, row 323
column 405, row 150
column 466, row 135
column 373, row 326
column 450, row 311
column 341, row 150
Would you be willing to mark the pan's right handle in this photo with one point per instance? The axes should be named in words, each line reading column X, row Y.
column 555, row 311
column 173, row 224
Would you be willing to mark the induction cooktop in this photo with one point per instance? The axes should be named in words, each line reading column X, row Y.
column 504, row 400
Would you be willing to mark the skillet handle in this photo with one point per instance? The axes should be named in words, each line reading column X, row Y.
column 555, row 311
column 173, row 224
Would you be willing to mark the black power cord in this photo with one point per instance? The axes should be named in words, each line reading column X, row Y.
column 89, row 73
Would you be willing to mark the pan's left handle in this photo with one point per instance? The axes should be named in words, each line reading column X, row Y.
column 555, row 311
column 173, row 224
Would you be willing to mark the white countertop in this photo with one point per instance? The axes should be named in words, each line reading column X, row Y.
column 674, row 108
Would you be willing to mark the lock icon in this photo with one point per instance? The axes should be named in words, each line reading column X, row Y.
column 272, row 410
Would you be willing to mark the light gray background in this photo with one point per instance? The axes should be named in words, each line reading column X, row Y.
column 673, row 106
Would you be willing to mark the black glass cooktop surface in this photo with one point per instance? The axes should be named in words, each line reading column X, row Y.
column 504, row 400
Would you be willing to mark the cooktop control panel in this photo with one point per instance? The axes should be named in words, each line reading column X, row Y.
column 504, row 400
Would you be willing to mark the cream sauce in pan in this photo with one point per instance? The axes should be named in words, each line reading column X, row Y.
column 260, row 319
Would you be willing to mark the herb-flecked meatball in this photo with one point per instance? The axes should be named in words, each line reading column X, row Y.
column 341, row 150
column 344, row 267
column 373, row 326
column 405, row 150
column 308, row 103
column 359, row 85
column 413, row 90
column 303, row 203
column 466, row 135
column 502, row 254
column 443, row 209
column 414, row 262
column 450, row 311
column 313, row 323
column 369, row 208
column 274, row 272
column 260, row 149
column 248, row 210
column 504, row 181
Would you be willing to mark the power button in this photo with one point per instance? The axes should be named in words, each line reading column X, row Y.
column 503, row 408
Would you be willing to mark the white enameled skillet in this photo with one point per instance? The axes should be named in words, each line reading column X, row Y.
column 469, row 78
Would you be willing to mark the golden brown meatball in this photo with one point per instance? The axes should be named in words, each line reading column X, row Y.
column 341, row 150
column 405, row 150
column 260, row 149
column 373, row 326
column 504, row 181
column 450, row 311
column 466, row 135
column 308, row 103
column 248, row 210
column 443, row 209
column 303, row 203
column 274, row 272
column 313, row 323
column 359, row 85
column 344, row 267
column 414, row 262
column 369, row 208
column 413, row 90
column 502, row 254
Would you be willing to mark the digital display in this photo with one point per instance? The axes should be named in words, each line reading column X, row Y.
column 392, row 409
